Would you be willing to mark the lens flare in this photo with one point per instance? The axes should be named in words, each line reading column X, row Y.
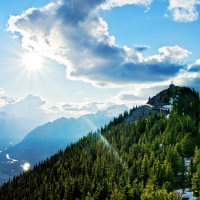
column 115, row 153
column 26, row 166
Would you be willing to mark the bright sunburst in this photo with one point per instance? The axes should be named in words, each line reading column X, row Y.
column 32, row 61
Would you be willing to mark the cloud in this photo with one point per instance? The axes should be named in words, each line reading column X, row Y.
column 2, row 91
column 138, row 94
column 114, row 3
column 29, row 107
column 77, row 108
column 2, row 102
column 183, row 11
column 71, row 33
column 174, row 52
column 67, row 109
column 195, row 68
column 35, row 108
column 197, row 62
column 14, row 36
column 128, row 96
column 9, row 100
column 168, row 53
column 189, row 77
column 193, row 83
column 141, row 48
column 81, row 92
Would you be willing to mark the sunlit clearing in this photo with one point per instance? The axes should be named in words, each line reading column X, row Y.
column 26, row 166
column 32, row 61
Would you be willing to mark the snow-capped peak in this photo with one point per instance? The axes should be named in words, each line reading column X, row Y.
column 113, row 111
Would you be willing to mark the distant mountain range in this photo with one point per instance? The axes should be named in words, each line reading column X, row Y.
column 13, row 129
column 47, row 139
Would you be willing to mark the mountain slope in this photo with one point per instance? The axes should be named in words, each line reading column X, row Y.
column 143, row 160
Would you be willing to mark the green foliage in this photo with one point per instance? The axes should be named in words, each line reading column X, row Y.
column 143, row 160
column 196, row 181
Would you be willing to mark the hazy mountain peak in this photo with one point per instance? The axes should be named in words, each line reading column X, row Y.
column 113, row 111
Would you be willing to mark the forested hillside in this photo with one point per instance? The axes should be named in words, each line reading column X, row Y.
column 123, row 160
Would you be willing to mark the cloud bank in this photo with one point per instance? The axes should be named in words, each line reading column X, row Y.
column 35, row 108
column 77, row 109
column 30, row 107
column 71, row 33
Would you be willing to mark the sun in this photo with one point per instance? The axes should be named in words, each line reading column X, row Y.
column 32, row 61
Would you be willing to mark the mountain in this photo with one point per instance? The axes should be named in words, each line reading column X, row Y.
column 91, row 122
column 125, row 160
column 13, row 129
column 183, row 100
column 47, row 139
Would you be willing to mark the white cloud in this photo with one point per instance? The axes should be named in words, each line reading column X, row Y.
column 174, row 52
column 30, row 107
column 35, row 108
column 2, row 91
column 197, row 62
column 79, row 39
column 138, row 94
column 9, row 100
column 132, row 55
column 2, row 102
column 14, row 36
column 191, row 79
column 67, row 109
column 77, row 108
column 81, row 92
column 131, row 96
column 168, row 53
column 183, row 10
column 114, row 3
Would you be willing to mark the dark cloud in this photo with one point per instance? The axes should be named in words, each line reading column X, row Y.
column 107, row 51
column 129, row 97
column 195, row 68
column 132, row 73
column 141, row 48
column 74, row 11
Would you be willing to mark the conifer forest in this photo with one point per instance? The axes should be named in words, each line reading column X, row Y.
column 143, row 159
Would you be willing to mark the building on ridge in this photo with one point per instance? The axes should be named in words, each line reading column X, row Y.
column 171, row 85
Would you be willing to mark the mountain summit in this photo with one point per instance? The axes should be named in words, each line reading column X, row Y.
column 180, row 99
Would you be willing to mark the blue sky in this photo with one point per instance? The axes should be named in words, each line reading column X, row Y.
column 68, row 58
